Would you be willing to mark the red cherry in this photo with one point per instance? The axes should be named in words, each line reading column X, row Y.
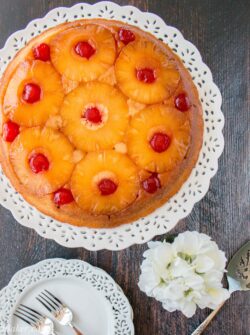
column 42, row 52
column 10, row 131
column 107, row 187
column 38, row 163
column 84, row 49
column 126, row 35
column 93, row 115
column 160, row 142
column 182, row 102
column 31, row 93
column 151, row 184
column 63, row 197
column 146, row 75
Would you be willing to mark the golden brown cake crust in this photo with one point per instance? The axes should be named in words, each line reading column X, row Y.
column 145, row 202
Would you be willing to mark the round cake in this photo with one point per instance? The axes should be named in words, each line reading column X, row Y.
column 100, row 123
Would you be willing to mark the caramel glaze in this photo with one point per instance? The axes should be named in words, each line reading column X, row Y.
column 145, row 202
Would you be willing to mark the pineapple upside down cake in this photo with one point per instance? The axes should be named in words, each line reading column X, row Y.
column 100, row 123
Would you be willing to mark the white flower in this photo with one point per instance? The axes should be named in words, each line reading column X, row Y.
column 184, row 274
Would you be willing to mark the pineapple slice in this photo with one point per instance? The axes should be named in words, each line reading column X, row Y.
column 83, row 53
column 104, row 130
column 159, row 138
column 42, row 103
column 42, row 159
column 105, row 182
column 144, row 73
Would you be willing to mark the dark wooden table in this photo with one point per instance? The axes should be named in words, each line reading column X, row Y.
column 220, row 30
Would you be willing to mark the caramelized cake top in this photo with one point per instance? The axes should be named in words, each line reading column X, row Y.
column 100, row 123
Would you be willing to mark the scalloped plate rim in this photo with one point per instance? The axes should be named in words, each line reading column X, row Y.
column 206, row 185
column 74, row 260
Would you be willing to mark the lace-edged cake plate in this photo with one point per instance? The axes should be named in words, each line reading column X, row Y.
column 180, row 205
column 98, row 303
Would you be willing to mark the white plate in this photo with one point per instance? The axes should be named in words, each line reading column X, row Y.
column 181, row 204
column 98, row 303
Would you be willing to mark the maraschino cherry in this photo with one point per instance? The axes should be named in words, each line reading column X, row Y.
column 93, row 115
column 62, row 197
column 31, row 93
column 10, row 131
column 160, row 142
column 151, row 184
column 84, row 49
column 107, row 186
column 42, row 52
column 146, row 75
column 126, row 35
column 38, row 163
column 182, row 102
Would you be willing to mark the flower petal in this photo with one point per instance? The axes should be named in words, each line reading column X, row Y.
column 180, row 267
column 174, row 291
column 170, row 305
column 188, row 308
column 203, row 263
column 217, row 296
column 189, row 242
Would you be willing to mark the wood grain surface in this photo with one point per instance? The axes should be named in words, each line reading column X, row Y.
column 220, row 30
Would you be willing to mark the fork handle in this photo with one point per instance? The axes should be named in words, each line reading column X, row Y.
column 205, row 323
column 76, row 330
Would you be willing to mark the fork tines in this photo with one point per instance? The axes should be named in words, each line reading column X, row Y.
column 28, row 315
column 49, row 301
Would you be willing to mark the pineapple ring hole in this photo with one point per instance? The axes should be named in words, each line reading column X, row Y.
column 104, row 175
column 146, row 75
column 158, row 129
column 38, row 161
column 22, row 91
column 153, row 141
column 93, row 115
column 107, row 187
column 85, row 49
column 147, row 70
column 160, row 142
column 103, row 114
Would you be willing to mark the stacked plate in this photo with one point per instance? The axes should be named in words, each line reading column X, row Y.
column 98, row 304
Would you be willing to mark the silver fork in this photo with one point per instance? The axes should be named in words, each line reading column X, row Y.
column 36, row 320
column 61, row 312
